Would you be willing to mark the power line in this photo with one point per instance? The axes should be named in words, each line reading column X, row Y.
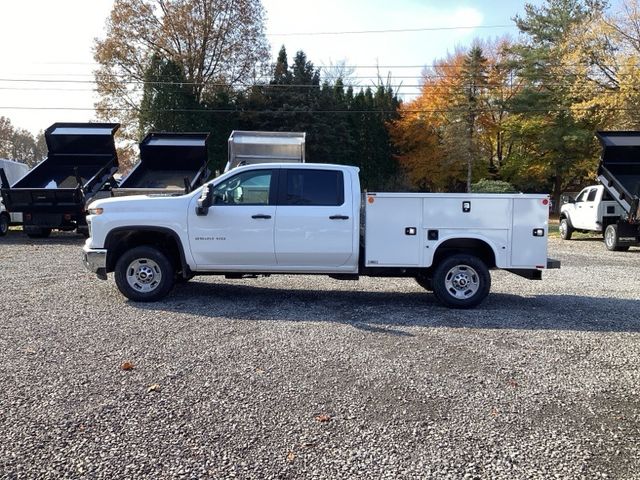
column 399, row 30
column 314, row 112
column 281, row 85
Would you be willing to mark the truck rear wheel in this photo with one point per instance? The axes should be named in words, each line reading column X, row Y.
column 566, row 229
column 4, row 224
column 612, row 239
column 461, row 281
column 144, row 274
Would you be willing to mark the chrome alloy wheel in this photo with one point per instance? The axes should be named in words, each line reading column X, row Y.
column 563, row 228
column 144, row 275
column 610, row 237
column 462, row 282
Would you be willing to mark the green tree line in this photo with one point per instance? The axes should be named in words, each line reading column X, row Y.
column 518, row 111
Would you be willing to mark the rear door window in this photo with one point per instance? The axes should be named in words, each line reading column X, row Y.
column 592, row 195
column 312, row 187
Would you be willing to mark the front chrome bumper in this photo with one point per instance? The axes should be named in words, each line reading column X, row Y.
column 95, row 260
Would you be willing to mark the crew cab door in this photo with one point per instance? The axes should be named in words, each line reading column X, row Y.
column 315, row 219
column 586, row 211
column 238, row 228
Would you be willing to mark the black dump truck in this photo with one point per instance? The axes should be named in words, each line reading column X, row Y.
column 170, row 163
column 81, row 160
column 619, row 174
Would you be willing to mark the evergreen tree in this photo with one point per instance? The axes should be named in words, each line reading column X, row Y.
column 550, row 139
column 168, row 102
column 474, row 77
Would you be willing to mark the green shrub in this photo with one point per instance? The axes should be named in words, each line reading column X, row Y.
column 492, row 186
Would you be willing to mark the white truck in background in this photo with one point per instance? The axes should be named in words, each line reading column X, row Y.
column 14, row 171
column 613, row 207
column 301, row 218
column 593, row 210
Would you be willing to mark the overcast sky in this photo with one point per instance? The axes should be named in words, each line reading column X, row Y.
column 52, row 40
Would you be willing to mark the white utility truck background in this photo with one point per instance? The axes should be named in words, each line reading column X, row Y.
column 312, row 219
column 613, row 207
column 14, row 171
column 593, row 210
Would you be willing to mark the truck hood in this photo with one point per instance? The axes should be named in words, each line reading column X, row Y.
column 139, row 203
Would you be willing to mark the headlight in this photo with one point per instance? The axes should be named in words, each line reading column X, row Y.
column 95, row 211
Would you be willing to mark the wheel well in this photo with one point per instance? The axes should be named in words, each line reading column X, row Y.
column 470, row 246
column 606, row 221
column 120, row 241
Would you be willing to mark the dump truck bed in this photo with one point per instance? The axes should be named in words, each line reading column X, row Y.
column 248, row 148
column 170, row 163
column 619, row 169
column 81, row 159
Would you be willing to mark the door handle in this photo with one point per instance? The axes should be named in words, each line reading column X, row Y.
column 339, row 217
column 261, row 217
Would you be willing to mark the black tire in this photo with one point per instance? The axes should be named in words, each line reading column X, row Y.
column 35, row 232
column 461, row 281
column 4, row 224
column 425, row 282
column 566, row 229
column 137, row 272
column 612, row 239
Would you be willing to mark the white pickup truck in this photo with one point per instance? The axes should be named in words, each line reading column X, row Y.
column 312, row 219
column 595, row 211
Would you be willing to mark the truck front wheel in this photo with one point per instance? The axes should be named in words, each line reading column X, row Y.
column 461, row 281
column 144, row 274
column 566, row 229
column 4, row 224
column 612, row 239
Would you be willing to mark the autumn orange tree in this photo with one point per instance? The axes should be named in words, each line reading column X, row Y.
column 421, row 132
column 453, row 134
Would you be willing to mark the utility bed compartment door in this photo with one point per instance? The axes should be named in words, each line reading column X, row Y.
column 393, row 231
column 527, row 249
column 467, row 212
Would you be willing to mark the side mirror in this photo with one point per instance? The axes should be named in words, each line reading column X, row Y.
column 204, row 202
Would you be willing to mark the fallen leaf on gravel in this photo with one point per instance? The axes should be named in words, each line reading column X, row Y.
column 512, row 383
column 126, row 365
column 291, row 457
column 494, row 412
column 30, row 351
column 153, row 388
column 323, row 418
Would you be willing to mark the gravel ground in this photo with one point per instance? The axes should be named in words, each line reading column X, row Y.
column 306, row 377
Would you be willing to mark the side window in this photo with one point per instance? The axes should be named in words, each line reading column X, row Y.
column 582, row 197
column 606, row 196
column 312, row 187
column 247, row 188
column 592, row 195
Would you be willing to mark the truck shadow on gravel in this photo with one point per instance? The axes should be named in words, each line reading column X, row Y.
column 389, row 312
column 17, row 237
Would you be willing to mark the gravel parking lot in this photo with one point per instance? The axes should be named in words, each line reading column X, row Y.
column 307, row 377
